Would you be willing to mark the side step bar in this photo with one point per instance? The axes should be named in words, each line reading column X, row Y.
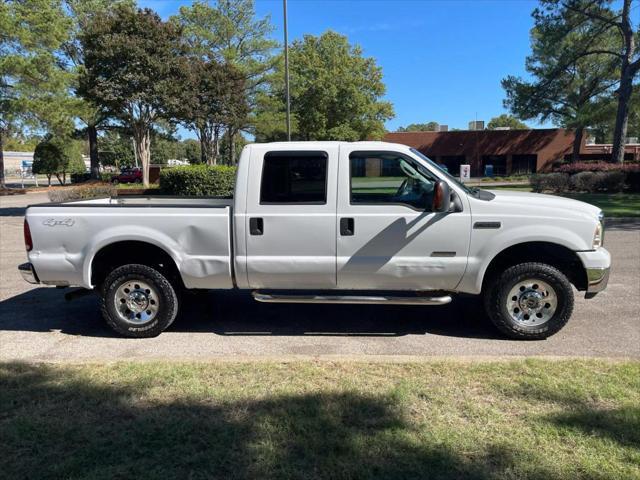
column 352, row 299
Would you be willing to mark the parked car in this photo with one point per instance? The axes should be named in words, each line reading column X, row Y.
column 129, row 175
column 327, row 222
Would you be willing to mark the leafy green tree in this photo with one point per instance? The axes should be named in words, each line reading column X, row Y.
column 336, row 92
column 212, row 98
column 81, row 14
column 58, row 156
column 564, row 89
column 420, row 127
column 605, row 31
column 230, row 34
column 32, row 85
column 508, row 121
column 132, row 62
column 189, row 149
column 116, row 149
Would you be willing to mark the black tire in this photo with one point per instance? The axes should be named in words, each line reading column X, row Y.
column 496, row 300
column 167, row 301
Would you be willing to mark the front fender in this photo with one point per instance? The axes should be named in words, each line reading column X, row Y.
column 487, row 244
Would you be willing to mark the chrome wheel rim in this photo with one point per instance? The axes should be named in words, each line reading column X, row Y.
column 532, row 302
column 137, row 302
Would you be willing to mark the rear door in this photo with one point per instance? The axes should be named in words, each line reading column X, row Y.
column 291, row 218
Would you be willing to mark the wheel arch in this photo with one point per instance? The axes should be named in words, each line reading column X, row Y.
column 554, row 254
column 124, row 252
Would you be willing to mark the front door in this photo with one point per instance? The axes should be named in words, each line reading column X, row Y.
column 291, row 219
column 388, row 237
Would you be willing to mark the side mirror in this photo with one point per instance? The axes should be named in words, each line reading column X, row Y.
column 441, row 197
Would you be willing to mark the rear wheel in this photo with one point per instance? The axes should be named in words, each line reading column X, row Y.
column 529, row 301
column 138, row 301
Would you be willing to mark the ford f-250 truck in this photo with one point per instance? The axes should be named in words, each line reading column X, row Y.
column 327, row 222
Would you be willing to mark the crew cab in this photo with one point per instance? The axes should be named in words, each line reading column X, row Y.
column 327, row 222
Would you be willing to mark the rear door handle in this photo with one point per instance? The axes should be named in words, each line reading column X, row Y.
column 347, row 227
column 256, row 226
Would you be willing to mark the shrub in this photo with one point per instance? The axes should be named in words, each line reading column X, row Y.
column 201, row 180
column 612, row 181
column 80, row 177
column 555, row 182
column 536, row 182
column 633, row 180
column 573, row 168
column 584, row 182
column 83, row 192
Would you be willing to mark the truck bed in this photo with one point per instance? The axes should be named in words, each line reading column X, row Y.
column 195, row 232
column 148, row 201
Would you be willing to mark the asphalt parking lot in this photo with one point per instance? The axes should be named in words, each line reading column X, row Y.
column 37, row 324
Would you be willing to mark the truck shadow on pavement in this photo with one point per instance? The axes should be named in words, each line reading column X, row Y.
column 236, row 313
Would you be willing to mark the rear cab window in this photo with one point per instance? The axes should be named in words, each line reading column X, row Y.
column 294, row 177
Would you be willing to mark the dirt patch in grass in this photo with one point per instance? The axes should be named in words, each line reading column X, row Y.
column 505, row 420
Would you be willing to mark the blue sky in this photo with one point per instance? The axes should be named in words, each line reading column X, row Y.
column 442, row 60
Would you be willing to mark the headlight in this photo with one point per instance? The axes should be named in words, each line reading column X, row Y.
column 598, row 236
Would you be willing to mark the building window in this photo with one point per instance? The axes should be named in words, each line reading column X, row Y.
column 381, row 178
column 523, row 164
column 294, row 177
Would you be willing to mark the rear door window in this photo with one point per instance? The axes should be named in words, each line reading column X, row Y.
column 294, row 178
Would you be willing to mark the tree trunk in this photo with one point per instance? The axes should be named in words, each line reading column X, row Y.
column 142, row 144
column 622, row 116
column 216, row 144
column 1, row 160
column 203, row 152
column 206, row 146
column 627, row 72
column 232, row 146
column 92, row 133
column 577, row 143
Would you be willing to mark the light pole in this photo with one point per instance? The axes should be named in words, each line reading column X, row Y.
column 286, row 71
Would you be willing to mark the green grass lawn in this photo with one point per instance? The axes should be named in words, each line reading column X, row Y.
column 613, row 204
column 305, row 420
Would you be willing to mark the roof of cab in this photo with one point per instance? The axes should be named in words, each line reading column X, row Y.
column 369, row 145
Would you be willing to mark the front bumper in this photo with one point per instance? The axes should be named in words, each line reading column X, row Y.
column 597, row 265
column 28, row 273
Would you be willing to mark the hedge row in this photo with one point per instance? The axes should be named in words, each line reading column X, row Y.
column 578, row 167
column 198, row 180
column 587, row 181
column 86, row 191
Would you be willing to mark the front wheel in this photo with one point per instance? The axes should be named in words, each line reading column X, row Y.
column 529, row 301
column 138, row 301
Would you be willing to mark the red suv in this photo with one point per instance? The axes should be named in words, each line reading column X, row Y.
column 131, row 175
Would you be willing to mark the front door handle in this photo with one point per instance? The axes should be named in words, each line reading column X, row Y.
column 347, row 227
column 256, row 226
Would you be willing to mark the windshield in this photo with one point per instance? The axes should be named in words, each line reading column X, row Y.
column 472, row 191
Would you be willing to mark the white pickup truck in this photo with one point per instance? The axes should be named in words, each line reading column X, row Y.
column 327, row 222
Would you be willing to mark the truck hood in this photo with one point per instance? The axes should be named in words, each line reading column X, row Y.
column 528, row 201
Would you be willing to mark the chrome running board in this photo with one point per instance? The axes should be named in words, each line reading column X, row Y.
column 352, row 299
